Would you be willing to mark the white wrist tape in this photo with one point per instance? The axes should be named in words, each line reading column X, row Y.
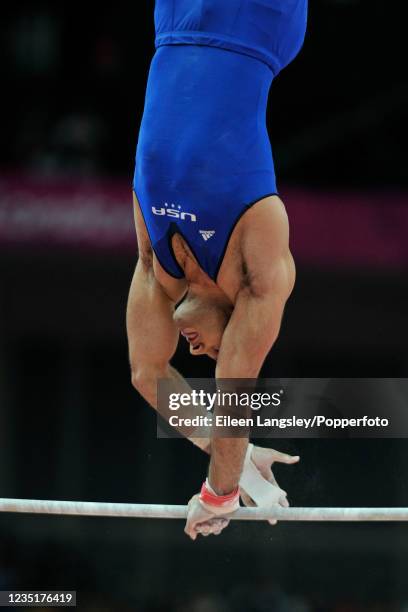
column 263, row 493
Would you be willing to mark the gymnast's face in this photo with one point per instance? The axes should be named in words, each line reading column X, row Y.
column 202, row 322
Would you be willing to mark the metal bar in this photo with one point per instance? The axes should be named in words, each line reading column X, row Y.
column 158, row 511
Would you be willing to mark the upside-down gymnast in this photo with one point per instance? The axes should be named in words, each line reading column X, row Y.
column 210, row 225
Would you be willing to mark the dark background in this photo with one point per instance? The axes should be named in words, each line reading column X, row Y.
column 71, row 426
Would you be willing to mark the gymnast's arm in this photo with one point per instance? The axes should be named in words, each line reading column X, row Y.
column 152, row 334
column 153, row 338
column 252, row 330
column 248, row 337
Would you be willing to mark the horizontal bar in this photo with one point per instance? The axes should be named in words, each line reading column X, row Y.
column 158, row 511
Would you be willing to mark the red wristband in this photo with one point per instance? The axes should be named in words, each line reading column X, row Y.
column 231, row 500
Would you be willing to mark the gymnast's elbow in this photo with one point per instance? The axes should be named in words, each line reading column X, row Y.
column 145, row 375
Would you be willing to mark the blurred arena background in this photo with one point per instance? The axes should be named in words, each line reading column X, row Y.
column 71, row 426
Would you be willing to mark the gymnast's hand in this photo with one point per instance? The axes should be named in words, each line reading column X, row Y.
column 202, row 521
column 258, row 483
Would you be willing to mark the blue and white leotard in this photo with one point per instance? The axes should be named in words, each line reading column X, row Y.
column 203, row 155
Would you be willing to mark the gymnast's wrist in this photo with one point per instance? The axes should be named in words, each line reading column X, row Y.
column 218, row 504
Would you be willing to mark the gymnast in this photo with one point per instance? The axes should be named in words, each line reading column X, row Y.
column 214, row 262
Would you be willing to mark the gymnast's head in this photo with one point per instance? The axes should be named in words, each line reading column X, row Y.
column 202, row 320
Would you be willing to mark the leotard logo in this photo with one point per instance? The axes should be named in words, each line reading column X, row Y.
column 171, row 210
column 207, row 234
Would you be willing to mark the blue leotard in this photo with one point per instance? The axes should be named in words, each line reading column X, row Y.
column 203, row 155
